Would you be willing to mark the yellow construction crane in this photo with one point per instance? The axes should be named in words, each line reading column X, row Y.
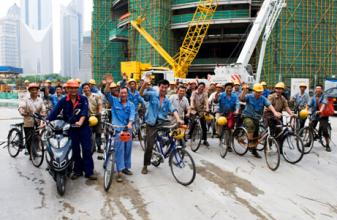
column 197, row 30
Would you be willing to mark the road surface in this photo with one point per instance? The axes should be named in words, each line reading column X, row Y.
column 231, row 188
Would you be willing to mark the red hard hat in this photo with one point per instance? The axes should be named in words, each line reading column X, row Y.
column 125, row 136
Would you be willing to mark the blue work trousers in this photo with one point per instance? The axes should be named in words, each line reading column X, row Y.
column 82, row 137
column 122, row 154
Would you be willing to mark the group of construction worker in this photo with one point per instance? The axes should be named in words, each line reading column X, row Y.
column 165, row 102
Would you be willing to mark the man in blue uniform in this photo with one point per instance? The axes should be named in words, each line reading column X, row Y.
column 123, row 115
column 81, row 134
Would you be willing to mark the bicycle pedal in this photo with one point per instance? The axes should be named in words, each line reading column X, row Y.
column 100, row 158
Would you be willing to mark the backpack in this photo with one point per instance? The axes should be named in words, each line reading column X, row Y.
column 328, row 109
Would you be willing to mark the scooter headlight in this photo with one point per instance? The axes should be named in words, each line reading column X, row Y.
column 63, row 142
column 53, row 142
column 70, row 155
column 66, row 127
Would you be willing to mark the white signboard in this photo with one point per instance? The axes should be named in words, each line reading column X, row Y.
column 330, row 83
column 295, row 85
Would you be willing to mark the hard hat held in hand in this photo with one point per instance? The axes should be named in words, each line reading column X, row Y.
column 93, row 121
column 208, row 117
column 222, row 121
column 125, row 136
column 304, row 113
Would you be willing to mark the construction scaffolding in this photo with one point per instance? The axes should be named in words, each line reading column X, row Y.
column 106, row 55
column 157, row 22
column 303, row 43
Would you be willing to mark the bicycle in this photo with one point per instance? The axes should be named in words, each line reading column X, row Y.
column 240, row 143
column 291, row 145
column 138, row 130
column 195, row 133
column 16, row 141
column 225, row 139
column 309, row 135
column 180, row 161
column 109, row 154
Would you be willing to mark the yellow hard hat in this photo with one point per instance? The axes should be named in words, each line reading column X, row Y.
column 92, row 81
column 258, row 87
column 93, row 121
column 113, row 85
column 303, row 85
column 304, row 114
column 178, row 133
column 78, row 80
column 236, row 83
column 48, row 81
column 263, row 83
column 208, row 117
column 280, row 85
column 132, row 80
column 222, row 121
column 26, row 81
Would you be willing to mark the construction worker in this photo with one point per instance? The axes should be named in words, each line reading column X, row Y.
column 92, row 84
column 172, row 89
column 192, row 86
column 255, row 104
column 180, row 103
column 317, row 105
column 123, row 115
column 211, row 88
column 301, row 101
column 136, row 99
column 157, row 113
column 237, row 89
column 50, row 87
column 229, row 106
column 279, row 103
column 95, row 109
column 57, row 96
column 199, row 105
column 266, row 91
column 81, row 134
column 30, row 105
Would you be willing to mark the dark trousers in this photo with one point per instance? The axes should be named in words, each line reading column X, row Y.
column 96, row 135
column 29, row 131
column 151, row 132
column 323, row 126
column 203, row 128
column 82, row 137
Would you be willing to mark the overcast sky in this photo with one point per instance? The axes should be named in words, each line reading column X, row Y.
column 88, row 6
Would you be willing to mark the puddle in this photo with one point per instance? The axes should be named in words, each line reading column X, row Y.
column 117, row 193
column 229, row 182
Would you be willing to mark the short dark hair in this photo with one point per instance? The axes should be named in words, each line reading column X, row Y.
column 163, row 82
column 124, row 87
column 202, row 83
column 56, row 87
column 85, row 84
column 320, row 85
column 182, row 87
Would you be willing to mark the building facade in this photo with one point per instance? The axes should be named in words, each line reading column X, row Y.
column 10, row 38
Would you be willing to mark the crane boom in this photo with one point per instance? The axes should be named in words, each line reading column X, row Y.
column 197, row 30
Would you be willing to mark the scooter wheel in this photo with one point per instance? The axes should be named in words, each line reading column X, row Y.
column 60, row 184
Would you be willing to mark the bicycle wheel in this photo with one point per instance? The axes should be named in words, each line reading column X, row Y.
column 182, row 166
column 196, row 137
column 14, row 142
column 141, row 136
column 156, row 156
column 109, row 170
column 272, row 153
column 224, row 142
column 292, row 148
column 262, row 130
column 240, row 141
column 37, row 151
column 307, row 138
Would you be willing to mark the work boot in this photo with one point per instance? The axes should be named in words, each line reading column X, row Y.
column 206, row 143
column 328, row 149
column 127, row 172
column 92, row 177
column 75, row 176
column 119, row 178
column 144, row 170
column 255, row 153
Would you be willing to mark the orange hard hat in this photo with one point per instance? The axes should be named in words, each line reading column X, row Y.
column 33, row 85
column 72, row 84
